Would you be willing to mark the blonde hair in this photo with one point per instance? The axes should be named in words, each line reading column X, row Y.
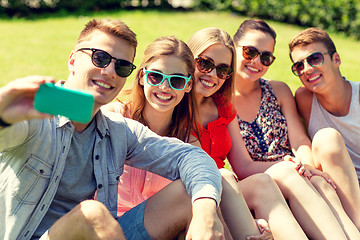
column 203, row 39
column 184, row 115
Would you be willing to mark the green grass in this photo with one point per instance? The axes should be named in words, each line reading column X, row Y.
column 42, row 46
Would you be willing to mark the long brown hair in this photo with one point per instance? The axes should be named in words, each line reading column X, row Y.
column 184, row 115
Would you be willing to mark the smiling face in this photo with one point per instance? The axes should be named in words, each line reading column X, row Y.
column 209, row 83
column 253, row 69
column 103, row 83
column 163, row 98
column 316, row 77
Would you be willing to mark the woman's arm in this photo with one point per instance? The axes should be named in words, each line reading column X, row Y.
column 239, row 157
column 299, row 140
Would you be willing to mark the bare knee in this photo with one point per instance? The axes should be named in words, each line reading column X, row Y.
column 88, row 220
column 229, row 179
column 265, row 189
column 283, row 172
column 287, row 178
column 92, row 210
column 328, row 144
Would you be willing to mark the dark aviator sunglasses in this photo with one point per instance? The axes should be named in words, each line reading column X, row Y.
column 314, row 60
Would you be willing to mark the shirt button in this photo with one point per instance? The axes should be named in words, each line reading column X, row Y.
column 147, row 179
column 97, row 157
column 100, row 186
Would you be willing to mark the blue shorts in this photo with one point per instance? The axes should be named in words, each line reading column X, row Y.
column 132, row 223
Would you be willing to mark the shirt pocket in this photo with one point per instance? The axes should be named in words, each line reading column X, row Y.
column 114, row 178
column 32, row 180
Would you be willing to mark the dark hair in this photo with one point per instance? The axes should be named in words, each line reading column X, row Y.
column 253, row 24
column 312, row 35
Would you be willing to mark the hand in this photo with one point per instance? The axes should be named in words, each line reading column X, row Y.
column 316, row 172
column 308, row 171
column 299, row 167
column 264, row 229
column 205, row 223
column 17, row 99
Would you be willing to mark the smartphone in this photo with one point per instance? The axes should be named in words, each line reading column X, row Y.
column 57, row 100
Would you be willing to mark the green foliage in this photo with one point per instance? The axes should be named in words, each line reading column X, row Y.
column 333, row 15
column 339, row 15
column 42, row 46
column 31, row 8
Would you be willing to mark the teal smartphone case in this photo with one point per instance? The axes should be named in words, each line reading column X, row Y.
column 54, row 100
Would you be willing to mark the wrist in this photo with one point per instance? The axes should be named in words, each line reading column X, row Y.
column 204, row 204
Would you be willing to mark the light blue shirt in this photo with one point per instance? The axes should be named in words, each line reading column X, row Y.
column 33, row 155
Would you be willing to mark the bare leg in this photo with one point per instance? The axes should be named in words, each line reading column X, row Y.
column 330, row 155
column 263, row 196
column 236, row 213
column 333, row 201
column 227, row 233
column 89, row 220
column 168, row 212
column 309, row 208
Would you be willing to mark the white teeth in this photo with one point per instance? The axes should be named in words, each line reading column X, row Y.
column 101, row 84
column 162, row 97
column 253, row 69
column 314, row 78
column 206, row 83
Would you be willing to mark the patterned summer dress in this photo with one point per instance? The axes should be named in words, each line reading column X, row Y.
column 266, row 138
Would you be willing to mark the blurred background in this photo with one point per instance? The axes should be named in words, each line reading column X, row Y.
column 37, row 36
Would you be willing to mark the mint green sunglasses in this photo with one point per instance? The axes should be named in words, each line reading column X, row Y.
column 176, row 82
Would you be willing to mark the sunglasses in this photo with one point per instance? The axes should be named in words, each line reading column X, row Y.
column 176, row 82
column 315, row 59
column 206, row 65
column 250, row 53
column 102, row 59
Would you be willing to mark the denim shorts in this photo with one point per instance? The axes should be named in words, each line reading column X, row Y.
column 132, row 223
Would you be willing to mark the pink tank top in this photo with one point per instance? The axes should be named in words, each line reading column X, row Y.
column 136, row 185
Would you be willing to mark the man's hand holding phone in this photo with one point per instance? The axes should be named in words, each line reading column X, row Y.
column 37, row 97
column 17, row 98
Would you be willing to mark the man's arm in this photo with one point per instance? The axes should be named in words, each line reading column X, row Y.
column 16, row 104
column 303, row 98
column 173, row 159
